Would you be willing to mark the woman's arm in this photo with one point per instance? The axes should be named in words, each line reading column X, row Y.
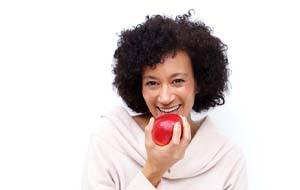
column 237, row 179
column 100, row 173
column 97, row 174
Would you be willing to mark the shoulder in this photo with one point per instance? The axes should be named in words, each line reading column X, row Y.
column 215, row 136
column 233, row 151
column 117, row 131
column 110, row 120
column 118, row 126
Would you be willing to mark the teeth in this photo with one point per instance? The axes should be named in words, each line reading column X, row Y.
column 169, row 110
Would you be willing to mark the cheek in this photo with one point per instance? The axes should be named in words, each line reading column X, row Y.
column 188, row 93
column 148, row 97
column 189, row 88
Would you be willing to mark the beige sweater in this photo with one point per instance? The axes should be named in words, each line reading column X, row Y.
column 117, row 154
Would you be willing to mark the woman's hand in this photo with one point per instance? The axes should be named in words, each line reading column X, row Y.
column 161, row 158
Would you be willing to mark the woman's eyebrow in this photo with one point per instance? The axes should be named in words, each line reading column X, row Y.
column 179, row 74
column 149, row 77
column 172, row 76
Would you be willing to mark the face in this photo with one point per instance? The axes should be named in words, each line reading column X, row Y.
column 170, row 86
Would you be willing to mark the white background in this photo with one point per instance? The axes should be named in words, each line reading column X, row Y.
column 55, row 80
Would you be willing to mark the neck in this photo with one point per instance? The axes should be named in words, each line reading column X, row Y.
column 195, row 125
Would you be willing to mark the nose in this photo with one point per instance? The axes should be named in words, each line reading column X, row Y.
column 166, row 96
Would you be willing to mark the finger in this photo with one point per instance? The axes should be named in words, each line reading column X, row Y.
column 176, row 133
column 148, row 131
column 186, row 137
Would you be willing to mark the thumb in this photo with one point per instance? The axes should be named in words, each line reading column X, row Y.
column 148, row 130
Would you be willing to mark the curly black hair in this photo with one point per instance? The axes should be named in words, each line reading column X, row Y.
column 148, row 43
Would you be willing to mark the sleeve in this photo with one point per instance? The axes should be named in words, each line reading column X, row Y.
column 140, row 182
column 97, row 174
column 238, row 176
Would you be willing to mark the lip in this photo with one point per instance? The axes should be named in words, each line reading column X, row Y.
column 173, row 109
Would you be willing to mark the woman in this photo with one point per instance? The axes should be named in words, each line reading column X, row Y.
column 166, row 65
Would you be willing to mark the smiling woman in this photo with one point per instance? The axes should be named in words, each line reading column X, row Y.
column 166, row 66
column 170, row 86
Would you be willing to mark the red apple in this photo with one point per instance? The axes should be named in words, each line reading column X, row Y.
column 162, row 131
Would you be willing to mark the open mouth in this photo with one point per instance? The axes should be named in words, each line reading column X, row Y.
column 170, row 109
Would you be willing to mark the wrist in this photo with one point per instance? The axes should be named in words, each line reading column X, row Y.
column 154, row 176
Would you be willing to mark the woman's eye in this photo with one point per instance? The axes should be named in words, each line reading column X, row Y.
column 178, row 81
column 151, row 83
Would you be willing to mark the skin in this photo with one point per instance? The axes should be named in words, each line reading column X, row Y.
column 170, row 86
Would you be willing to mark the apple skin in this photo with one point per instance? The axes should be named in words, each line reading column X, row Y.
column 162, row 131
